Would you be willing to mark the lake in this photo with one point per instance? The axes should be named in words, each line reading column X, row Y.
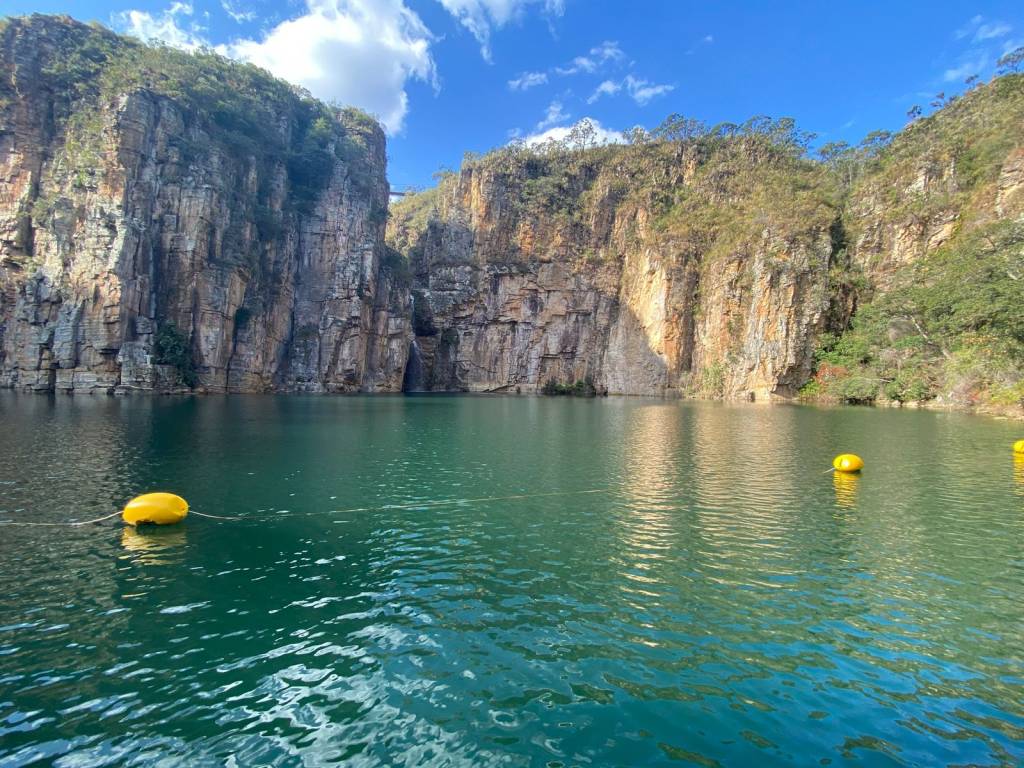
column 460, row 580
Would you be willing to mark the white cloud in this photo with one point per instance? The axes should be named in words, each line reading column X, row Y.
column 555, row 114
column 979, row 30
column 1011, row 45
column 480, row 17
column 709, row 39
column 171, row 26
column 642, row 91
column 989, row 31
column 968, row 28
column 232, row 9
column 602, row 135
column 528, row 80
column 967, row 67
column 359, row 52
column 607, row 88
column 599, row 55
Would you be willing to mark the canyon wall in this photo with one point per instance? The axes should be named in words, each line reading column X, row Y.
column 132, row 218
column 728, row 263
column 176, row 222
column 649, row 270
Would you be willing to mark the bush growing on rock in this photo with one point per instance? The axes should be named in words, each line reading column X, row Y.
column 172, row 347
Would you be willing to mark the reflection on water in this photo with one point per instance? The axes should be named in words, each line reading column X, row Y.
column 845, row 484
column 151, row 545
column 710, row 605
column 1018, row 472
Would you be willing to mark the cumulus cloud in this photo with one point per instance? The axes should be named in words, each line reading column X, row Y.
column 480, row 17
column 528, row 80
column 602, row 135
column 173, row 26
column 233, row 9
column 599, row 55
column 554, row 115
column 360, row 52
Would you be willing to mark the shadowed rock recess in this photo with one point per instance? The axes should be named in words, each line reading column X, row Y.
column 172, row 221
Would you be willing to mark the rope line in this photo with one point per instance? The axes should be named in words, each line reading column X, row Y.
column 212, row 517
column 411, row 505
column 61, row 525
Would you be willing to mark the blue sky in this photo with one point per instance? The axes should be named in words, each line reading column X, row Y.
column 446, row 76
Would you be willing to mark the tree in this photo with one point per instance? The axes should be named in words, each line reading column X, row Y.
column 914, row 112
column 583, row 135
column 677, row 127
column 875, row 142
column 1012, row 61
column 636, row 135
column 833, row 151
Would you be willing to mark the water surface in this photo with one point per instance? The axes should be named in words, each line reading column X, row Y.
column 626, row 582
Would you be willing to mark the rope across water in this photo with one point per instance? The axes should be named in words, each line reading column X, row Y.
column 280, row 515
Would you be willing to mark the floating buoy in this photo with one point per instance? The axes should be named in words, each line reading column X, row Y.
column 156, row 508
column 848, row 462
column 1018, row 447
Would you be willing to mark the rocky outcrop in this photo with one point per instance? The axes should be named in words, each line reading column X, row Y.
column 515, row 287
column 712, row 265
column 128, row 212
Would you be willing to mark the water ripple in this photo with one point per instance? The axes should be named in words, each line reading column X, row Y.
column 724, row 602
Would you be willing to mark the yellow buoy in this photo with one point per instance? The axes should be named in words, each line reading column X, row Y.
column 848, row 462
column 1018, row 447
column 156, row 508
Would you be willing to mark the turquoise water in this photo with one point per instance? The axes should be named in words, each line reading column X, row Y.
column 713, row 599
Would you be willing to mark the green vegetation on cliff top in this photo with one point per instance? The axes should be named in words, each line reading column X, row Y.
column 249, row 113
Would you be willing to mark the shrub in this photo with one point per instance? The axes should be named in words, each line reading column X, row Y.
column 172, row 347
column 580, row 388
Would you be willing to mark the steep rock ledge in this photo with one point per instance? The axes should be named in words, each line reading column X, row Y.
column 578, row 265
column 126, row 210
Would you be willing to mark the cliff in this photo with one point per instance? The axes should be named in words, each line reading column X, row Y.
column 169, row 220
column 663, row 268
column 932, row 261
column 173, row 221
column 725, row 262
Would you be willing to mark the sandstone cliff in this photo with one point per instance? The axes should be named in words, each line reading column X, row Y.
column 148, row 196
column 174, row 221
column 727, row 263
column 659, row 269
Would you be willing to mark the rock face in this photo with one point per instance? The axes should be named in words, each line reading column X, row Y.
column 172, row 221
column 585, row 283
column 134, row 213
column 713, row 265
